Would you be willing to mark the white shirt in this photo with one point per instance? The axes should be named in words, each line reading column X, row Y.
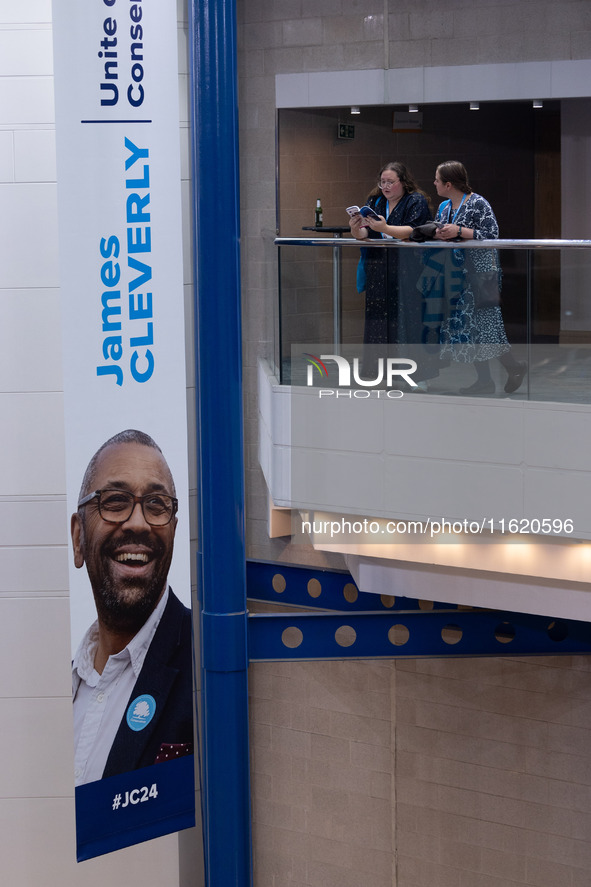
column 100, row 699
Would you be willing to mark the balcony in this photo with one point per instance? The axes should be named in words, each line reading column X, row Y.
column 479, row 500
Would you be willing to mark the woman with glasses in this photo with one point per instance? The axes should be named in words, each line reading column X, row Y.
column 393, row 305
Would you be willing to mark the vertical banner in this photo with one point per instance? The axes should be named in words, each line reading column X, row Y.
column 119, row 203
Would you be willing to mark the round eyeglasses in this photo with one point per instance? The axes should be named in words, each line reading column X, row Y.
column 383, row 185
column 116, row 506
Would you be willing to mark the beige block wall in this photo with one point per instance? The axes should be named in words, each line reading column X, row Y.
column 416, row 773
column 322, row 773
column 493, row 771
column 422, row 773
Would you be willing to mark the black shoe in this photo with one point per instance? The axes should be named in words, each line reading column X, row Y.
column 479, row 387
column 516, row 377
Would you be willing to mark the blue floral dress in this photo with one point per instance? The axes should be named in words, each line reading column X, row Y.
column 471, row 333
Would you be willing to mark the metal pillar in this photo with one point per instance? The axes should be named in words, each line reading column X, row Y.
column 221, row 557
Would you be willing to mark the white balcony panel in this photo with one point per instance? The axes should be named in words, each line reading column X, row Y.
column 458, row 428
column 326, row 423
column 472, row 588
column 559, row 495
column 558, row 436
column 351, row 482
column 436, row 488
column 482, row 460
column 427, row 456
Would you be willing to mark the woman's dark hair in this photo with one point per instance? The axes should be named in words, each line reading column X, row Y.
column 403, row 173
column 455, row 173
column 405, row 176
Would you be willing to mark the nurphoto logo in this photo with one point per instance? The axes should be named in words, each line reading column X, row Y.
column 386, row 372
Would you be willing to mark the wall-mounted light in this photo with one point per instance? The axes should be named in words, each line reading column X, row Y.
column 475, row 106
column 355, row 109
column 538, row 103
column 413, row 109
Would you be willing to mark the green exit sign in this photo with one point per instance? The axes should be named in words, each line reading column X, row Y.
column 346, row 131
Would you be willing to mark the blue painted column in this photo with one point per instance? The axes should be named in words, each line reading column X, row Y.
column 221, row 567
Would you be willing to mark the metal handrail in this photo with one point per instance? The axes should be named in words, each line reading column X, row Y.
column 433, row 244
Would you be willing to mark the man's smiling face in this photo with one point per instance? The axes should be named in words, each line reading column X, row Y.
column 127, row 563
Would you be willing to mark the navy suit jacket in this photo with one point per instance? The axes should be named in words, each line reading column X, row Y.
column 167, row 675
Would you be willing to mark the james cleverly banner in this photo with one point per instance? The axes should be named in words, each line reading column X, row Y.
column 117, row 122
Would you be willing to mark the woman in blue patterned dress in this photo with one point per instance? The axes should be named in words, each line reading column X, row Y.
column 474, row 331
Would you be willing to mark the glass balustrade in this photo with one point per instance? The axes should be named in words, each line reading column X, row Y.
column 515, row 315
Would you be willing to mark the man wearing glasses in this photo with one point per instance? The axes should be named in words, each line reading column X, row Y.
column 132, row 673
